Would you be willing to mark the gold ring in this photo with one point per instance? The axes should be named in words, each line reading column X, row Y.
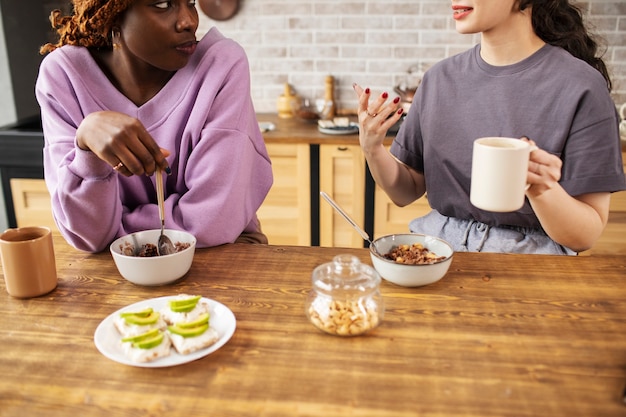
column 118, row 166
column 371, row 115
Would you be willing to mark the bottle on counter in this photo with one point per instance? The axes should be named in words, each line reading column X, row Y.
column 287, row 103
column 330, row 108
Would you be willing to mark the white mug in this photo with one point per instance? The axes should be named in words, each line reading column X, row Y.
column 499, row 172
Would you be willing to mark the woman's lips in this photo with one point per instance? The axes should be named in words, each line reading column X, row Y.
column 187, row 48
column 459, row 12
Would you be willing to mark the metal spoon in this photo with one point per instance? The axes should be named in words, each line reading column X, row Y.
column 339, row 210
column 164, row 245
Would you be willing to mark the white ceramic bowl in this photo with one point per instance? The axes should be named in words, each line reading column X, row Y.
column 411, row 275
column 155, row 270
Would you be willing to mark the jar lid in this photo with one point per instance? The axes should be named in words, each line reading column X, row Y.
column 345, row 273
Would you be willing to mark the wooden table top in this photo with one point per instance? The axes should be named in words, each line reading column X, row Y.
column 499, row 335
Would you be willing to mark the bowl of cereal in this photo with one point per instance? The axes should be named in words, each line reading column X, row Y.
column 411, row 259
column 137, row 260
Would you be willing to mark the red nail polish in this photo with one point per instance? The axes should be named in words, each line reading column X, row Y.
column 385, row 95
column 367, row 90
column 396, row 100
column 400, row 110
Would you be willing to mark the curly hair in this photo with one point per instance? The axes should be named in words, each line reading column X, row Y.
column 560, row 23
column 89, row 26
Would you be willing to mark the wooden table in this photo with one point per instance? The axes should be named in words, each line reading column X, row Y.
column 500, row 335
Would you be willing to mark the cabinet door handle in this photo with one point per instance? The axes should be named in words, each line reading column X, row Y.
column 342, row 148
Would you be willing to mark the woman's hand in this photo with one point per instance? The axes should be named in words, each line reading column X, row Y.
column 544, row 170
column 375, row 118
column 576, row 222
column 121, row 141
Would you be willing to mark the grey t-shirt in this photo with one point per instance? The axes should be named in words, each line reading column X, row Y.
column 559, row 101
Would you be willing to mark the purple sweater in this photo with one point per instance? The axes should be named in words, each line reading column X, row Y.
column 204, row 116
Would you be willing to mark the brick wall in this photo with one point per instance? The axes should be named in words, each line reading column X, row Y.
column 372, row 42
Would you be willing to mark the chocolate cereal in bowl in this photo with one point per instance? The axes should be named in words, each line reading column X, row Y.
column 136, row 258
column 411, row 259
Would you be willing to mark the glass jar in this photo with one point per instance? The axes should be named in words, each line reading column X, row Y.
column 345, row 299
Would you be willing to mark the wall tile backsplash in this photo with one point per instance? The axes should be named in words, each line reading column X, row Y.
column 372, row 42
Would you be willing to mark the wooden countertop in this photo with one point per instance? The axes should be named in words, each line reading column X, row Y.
column 499, row 335
column 294, row 130
column 299, row 131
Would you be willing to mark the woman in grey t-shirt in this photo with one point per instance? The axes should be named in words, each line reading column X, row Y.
column 526, row 78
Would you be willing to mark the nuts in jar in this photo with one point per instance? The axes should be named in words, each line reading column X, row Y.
column 345, row 299
column 344, row 318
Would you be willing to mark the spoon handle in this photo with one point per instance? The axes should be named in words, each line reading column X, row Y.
column 159, row 187
column 330, row 201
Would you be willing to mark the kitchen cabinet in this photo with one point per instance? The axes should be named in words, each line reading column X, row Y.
column 285, row 215
column 390, row 219
column 342, row 176
column 31, row 202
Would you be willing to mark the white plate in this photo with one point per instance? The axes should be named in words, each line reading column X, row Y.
column 340, row 130
column 107, row 338
column 266, row 126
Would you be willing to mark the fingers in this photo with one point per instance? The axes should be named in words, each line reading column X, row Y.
column 377, row 108
column 358, row 89
column 533, row 145
column 544, row 170
column 147, row 155
column 137, row 151
column 123, row 142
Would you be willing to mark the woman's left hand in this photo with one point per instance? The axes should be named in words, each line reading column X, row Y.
column 375, row 117
column 544, row 170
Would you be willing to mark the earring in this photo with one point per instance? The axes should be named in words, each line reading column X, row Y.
column 116, row 45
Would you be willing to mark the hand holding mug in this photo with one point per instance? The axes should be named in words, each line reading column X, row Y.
column 544, row 171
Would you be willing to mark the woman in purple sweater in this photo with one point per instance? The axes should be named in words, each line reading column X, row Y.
column 128, row 89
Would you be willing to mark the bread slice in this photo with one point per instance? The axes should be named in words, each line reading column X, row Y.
column 186, row 345
column 148, row 355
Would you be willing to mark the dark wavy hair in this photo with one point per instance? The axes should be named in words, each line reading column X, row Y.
column 89, row 26
column 560, row 23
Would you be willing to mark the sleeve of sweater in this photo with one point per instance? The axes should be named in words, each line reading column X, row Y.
column 82, row 187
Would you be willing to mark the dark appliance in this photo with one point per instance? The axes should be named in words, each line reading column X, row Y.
column 26, row 27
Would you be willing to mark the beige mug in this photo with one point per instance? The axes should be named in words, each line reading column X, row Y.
column 28, row 261
column 499, row 173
